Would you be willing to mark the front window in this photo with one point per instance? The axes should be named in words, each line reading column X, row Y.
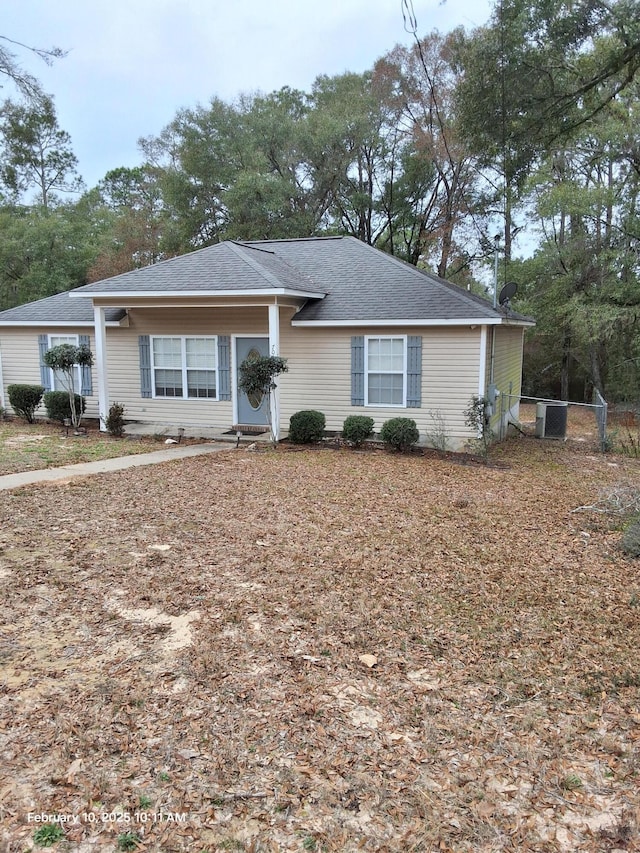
column 385, row 360
column 184, row 367
column 59, row 379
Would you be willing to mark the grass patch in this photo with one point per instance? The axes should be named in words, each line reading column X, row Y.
column 25, row 447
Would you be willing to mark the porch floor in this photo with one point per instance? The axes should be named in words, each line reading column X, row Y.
column 209, row 433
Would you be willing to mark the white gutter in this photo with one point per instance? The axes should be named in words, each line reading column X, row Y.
column 472, row 321
column 57, row 324
column 172, row 294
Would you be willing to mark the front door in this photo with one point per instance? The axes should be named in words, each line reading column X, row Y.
column 251, row 410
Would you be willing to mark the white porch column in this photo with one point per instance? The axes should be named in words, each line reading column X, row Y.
column 101, row 364
column 274, row 349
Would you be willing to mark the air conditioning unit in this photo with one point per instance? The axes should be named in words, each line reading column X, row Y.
column 551, row 420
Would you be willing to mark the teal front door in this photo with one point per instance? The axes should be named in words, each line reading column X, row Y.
column 252, row 411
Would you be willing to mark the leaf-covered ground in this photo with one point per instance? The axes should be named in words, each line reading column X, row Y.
column 323, row 650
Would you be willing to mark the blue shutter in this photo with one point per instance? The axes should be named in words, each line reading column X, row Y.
column 45, row 373
column 144, row 346
column 224, row 367
column 86, row 387
column 357, row 370
column 414, row 372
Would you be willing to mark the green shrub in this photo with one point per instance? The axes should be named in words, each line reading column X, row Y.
column 114, row 422
column 58, row 405
column 399, row 433
column 306, row 426
column 477, row 418
column 25, row 399
column 357, row 429
column 631, row 539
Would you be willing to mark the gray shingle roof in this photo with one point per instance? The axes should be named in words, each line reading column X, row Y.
column 226, row 266
column 342, row 279
column 362, row 283
column 58, row 309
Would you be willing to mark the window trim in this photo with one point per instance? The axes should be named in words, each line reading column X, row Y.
column 404, row 339
column 184, row 369
column 77, row 381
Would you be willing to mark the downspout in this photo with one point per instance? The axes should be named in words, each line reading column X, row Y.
column 493, row 354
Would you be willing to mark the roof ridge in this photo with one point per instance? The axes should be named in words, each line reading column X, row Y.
column 239, row 250
column 297, row 239
column 303, row 275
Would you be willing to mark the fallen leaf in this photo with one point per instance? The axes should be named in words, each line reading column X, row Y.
column 73, row 768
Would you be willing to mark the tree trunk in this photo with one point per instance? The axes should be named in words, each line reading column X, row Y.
column 565, row 365
column 596, row 367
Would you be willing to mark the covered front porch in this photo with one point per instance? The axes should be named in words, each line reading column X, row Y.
column 128, row 369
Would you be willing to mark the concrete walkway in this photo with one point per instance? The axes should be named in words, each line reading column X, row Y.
column 104, row 466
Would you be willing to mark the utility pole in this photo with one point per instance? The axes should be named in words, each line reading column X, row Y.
column 496, row 249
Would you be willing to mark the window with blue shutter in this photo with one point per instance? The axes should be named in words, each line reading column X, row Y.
column 357, row 370
column 144, row 347
column 414, row 371
column 86, row 386
column 224, row 367
column 45, row 372
column 186, row 368
column 386, row 371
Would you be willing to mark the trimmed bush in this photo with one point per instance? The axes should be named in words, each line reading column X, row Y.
column 357, row 429
column 58, row 406
column 399, row 433
column 25, row 399
column 306, row 426
column 114, row 422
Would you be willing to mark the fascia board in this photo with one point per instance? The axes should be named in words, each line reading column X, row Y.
column 191, row 294
column 481, row 321
column 55, row 324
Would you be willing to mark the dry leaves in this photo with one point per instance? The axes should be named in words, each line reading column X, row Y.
column 337, row 652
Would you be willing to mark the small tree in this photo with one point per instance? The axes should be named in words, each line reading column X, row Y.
column 257, row 376
column 64, row 359
column 477, row 417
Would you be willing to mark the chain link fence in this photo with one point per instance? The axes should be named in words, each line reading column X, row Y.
column 509, row 405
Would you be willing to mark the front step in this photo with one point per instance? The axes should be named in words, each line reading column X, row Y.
column 250, row 429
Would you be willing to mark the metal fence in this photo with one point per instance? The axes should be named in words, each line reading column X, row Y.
column 599, row 408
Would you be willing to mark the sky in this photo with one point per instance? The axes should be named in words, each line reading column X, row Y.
column 132, row 64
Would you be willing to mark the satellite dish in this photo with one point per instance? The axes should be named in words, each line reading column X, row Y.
column 510, row 289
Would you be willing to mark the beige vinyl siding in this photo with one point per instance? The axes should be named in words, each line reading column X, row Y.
column 320, row 376
column 21, row 361
column 507, row 373
column 123, row 358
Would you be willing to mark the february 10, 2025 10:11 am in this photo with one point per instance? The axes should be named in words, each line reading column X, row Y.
column 107, row 817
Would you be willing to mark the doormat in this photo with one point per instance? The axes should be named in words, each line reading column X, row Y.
column 247, row 430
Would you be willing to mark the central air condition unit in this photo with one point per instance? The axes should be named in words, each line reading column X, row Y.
column 551, row 420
